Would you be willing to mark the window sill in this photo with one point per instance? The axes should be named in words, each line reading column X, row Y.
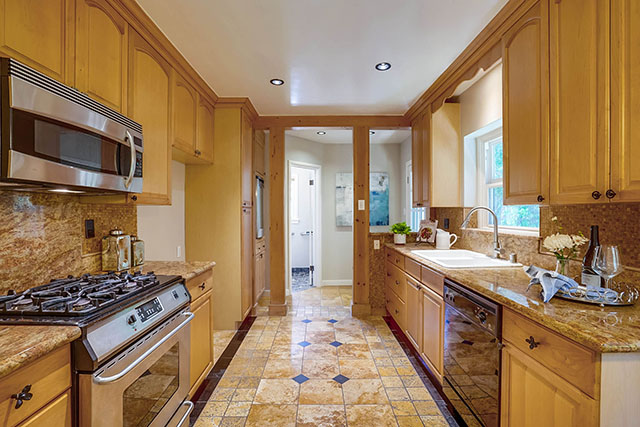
column 509, row 231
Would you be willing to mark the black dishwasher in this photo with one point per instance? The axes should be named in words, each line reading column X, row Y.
column 472, row 355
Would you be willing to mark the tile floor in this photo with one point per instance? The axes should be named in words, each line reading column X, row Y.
column 319, row 366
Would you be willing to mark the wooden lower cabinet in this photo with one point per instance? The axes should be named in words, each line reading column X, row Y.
column 532, row 395
column 201, row 355
column 246, row 286
column 57, row 413
column 414, row 312
column 432, row 341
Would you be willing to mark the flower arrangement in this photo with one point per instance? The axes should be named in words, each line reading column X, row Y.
column 563, row 246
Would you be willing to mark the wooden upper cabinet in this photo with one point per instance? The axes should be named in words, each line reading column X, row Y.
column 258, row 152
column 149, row 104
column 204, row 138
column 185, row 108
column 525, row 107
column 246, row 162
column 426, row 159
column 39, row 33
column 101, row 53
column 625, row 100
column 579, row 101
column 444, row 145
column 416, row 162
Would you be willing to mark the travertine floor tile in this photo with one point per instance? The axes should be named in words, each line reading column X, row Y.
column 359, row 392
column 272, row 416
column 321, row 416
column 277, row 391
column 321, row 392
column 370, row 415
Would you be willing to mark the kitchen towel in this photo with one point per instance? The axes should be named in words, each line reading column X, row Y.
column 550, row 281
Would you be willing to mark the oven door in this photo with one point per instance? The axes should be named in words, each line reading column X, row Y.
column 145, row 385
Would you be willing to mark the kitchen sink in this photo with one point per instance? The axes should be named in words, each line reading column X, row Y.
column 461, row 258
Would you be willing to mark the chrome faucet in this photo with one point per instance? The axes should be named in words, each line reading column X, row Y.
column 497, row 249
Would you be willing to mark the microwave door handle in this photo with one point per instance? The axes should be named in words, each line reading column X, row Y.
column 104, row 380
column 132, row 168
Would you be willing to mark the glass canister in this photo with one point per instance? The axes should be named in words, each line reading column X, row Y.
column 137, row 251
column 116, row 251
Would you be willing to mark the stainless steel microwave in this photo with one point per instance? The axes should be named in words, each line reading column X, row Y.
column 54, row 137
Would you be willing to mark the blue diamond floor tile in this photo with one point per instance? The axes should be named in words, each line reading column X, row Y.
column 341, row 379
column 332, row 321
column 336, row 344
column 300, row 378
column 304, row 343
column 306, row 321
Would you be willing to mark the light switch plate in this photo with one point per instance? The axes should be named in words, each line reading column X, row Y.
column 360, row 205
column 376, row 244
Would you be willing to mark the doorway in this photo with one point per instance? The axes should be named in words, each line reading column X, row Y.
column 304, row 225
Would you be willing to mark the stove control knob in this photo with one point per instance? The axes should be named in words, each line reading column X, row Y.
column 131, row 319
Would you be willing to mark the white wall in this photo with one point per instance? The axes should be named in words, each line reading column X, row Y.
column 162, row 227
column 405, row 156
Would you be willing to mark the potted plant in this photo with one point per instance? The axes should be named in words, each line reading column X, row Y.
column 400, row 231
column 563, row 246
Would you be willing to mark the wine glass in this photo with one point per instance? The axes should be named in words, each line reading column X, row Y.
column 606, row 262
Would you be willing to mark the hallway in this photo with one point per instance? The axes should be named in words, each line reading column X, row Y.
column 318, row 366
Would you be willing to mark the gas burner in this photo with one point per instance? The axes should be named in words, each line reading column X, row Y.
column 81, row 304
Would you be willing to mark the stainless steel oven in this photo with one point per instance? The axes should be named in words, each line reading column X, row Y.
column 472, row 348
column 145, row 384
column 56, row 138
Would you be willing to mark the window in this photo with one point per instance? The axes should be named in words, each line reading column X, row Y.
column 490, row 187
column 414, row 215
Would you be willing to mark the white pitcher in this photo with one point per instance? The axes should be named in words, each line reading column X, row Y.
column 443, row 239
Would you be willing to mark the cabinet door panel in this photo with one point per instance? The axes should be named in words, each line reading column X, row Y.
column 247, row 161
column 246, row 290
column 414, row 312
column 432, row 330
column 201, row 354
column 149, row 105
column 534, row 396
column 204, row 141
column 426, row 173
column 258, row 154
column 416, row 163
column 579, row 63
column 525, row 109
column 39, row 33
column 101, row 53
column 625, row 95
column 185, row 106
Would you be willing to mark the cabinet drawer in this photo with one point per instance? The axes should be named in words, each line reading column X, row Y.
column 59, row 411
column 48, row 376
column 395, row 258
column 396, row 280
column 200, row 284
column 432, row 280
column 397, row 308
column 412, row 267
column 574, row 363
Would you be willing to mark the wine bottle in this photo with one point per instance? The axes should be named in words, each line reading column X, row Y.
column 590, row 278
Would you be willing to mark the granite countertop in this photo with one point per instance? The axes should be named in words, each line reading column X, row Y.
column 603, row 329
column 186, row 269
column 22, row 344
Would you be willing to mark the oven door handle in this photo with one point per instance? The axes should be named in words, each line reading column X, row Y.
column 105, row 380
column 186, row 415
column 132, row 169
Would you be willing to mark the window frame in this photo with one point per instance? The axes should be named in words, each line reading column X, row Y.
column 409, row 209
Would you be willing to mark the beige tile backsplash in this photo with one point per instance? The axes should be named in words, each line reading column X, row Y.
column 42, row 236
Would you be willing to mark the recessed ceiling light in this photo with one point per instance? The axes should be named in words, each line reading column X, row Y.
column 276, row 82
column 321, row 132
column 383, row 66
column 371, row 132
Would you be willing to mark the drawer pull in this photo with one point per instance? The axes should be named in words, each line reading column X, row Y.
column 532, row 342
column 388, row 274
column 202, row 286
column 25, row 394
column 397, row 283
column 397, row 311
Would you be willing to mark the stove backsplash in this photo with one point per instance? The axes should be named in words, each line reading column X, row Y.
column 42, row 236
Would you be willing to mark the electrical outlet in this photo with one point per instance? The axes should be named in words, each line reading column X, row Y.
column 376, row 244
column 360, row 205
column 178, row 251
column 89, row 229
column 446, row 224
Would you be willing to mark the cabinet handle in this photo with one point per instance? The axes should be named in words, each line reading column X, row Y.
column 198, row 152
column 22, row 396
column 540, row 198
column 596, row 195
column 532, row 342
column 202, row 286
column 610, row 194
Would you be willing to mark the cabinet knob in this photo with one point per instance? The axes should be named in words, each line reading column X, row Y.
column 540, row 198
column 610, row 194
column 397, row 283
column 532, row 342
column 397, row 311
column 134, row 198
column 202, row 286
column 25, row 394
column 596, row 195
column 198, row 152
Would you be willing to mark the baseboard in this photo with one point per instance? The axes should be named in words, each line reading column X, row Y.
column 346, row 282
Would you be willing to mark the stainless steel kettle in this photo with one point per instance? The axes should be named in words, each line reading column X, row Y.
column 116, row 251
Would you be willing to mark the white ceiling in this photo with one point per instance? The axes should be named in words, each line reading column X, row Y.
column 345, row 136
column 325, row 50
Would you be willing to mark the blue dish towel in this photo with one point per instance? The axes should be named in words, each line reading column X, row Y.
column 550, row 281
